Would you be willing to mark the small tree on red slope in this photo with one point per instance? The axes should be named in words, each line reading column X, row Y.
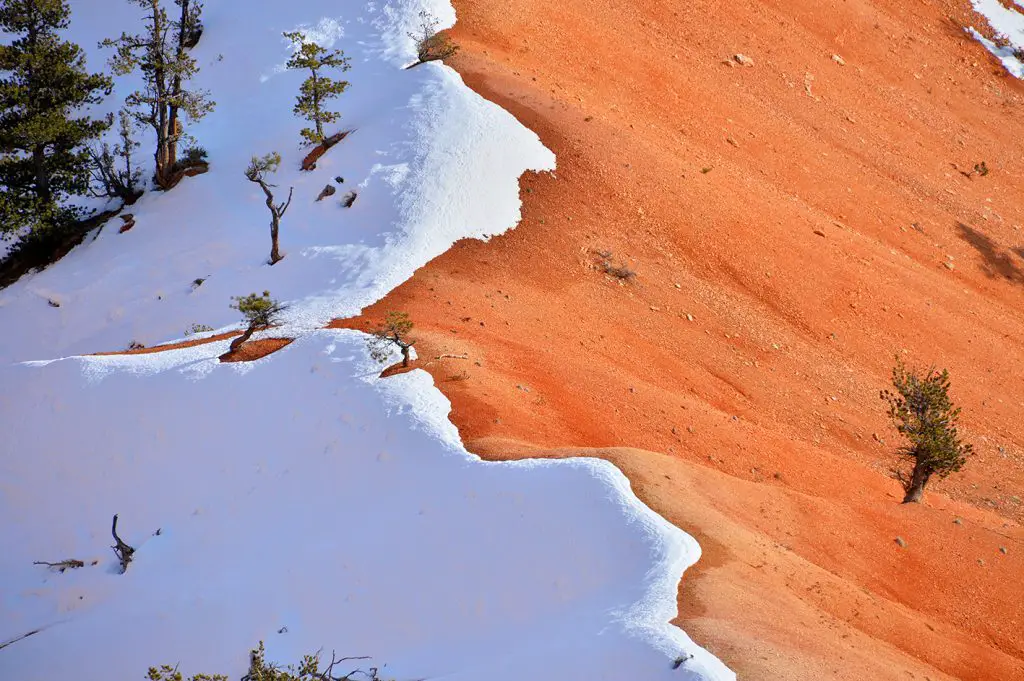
column 257, row 172
column 922, row 412
column 392, row 333
column 258, row 311
column 431, row 45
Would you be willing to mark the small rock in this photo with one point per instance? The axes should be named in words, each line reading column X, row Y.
column 348, row 199
column 981, row 562
column 819, row 232
column 52, row 302
column 743, row 60
column 524, row 388
column 733, row 142
column 689, row 317
column 339, row 179
column 677, row 285
column 901, row 543
column 655, row 308
column 1002, row 550
column 129, row 222
column 957, row 521
column 839, row 60
column 691, row 430
column 948, row 265
column 328, row 190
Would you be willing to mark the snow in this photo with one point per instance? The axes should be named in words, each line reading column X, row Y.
column 1009, row 24
column 300, row 499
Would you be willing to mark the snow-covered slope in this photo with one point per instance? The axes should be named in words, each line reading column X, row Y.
column 301, row 500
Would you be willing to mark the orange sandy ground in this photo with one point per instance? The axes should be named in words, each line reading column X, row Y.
column 808, row 218
column 250, row 350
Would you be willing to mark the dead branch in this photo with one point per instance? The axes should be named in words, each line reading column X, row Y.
column 61, row 566
column 463, row 356
column 123, row 552
column 19, row 638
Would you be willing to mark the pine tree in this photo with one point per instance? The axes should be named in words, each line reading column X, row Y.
column 923, row 413
column 317, row 89
column 161, row 55
column 43, row 133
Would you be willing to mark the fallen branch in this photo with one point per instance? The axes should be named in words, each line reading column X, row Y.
column 19, row 638
column 61, row 566
column 123, row 552
column 463, row 356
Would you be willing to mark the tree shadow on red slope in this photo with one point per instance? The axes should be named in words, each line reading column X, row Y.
column 996, row 262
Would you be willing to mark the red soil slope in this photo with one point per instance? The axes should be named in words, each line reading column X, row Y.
column 793, row 225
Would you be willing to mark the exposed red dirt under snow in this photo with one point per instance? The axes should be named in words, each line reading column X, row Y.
column 794, row 225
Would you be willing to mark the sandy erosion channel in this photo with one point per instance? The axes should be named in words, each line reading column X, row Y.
column 793, row 224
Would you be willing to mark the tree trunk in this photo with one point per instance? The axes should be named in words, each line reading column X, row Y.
column 237, row 343
column 405, row 355
column 316, row 108
column 275, row 253
column 42, row 179
column 915, row 490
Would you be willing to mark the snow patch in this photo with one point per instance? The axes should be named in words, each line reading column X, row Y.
column 1009, row 26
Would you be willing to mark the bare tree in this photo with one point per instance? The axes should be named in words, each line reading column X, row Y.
column 258, row 170
column 123, row 552
column 392, row 333
column 113, row 173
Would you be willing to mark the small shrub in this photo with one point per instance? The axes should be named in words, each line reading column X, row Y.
column 136, row 345
column 198, row 328
column 309, row 669
column 430, row 44
column 619, row 270
column 392, row 333
column 191, row 157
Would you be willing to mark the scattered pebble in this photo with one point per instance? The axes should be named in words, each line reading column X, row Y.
column 1002, row 550
column 743, row 60
column 957, row 521
column 839, row 60
column 901, row 542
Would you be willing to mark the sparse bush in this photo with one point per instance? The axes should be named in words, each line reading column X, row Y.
column 191, row 157
column 922, row 412
column 392, row 333
column 198, row 328
column 258, row 311
column 113, row 174
column 619, row 270
column 309, row 669
column 136, row 345
column 431, row 45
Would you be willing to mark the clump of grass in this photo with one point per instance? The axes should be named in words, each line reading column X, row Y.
column 619, row 270
column 198, row 328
